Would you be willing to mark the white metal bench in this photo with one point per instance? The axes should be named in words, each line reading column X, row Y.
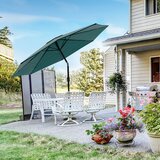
column 44, row 103
column 97, row 102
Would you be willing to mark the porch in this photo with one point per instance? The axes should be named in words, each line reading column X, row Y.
column 137, row 57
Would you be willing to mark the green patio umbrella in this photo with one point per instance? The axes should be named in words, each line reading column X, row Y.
column 59, row 49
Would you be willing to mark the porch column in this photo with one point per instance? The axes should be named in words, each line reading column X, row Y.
column 122, row 69
column 117, row 70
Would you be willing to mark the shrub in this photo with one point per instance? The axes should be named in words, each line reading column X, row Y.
column 151, row 117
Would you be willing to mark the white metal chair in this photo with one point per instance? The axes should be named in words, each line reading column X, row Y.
column 72, row 104
column 97, row 102
column 42, row 102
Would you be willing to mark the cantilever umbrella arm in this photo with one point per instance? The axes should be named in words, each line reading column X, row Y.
column 68, row 78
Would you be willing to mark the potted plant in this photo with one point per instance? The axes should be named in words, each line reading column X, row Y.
column 100, row 134
column 126, row 125
column 151, row 118
column 124, row 128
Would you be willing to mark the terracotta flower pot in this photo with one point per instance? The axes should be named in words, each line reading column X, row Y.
column 125, row 136
column 100, row 140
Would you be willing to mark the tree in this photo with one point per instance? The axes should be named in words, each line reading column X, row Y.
column 61, row 80
column 73, row 79
column 7, row 82
column 91, row 76
column 4, row 32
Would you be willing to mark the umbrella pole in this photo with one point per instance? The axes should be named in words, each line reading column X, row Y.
column 68, row 78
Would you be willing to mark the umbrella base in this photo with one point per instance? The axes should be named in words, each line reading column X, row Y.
column 68, row 122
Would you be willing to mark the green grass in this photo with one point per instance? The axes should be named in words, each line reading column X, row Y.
column 9, row 115
column 18, row 146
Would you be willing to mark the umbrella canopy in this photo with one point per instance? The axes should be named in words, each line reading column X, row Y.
column 59, row 49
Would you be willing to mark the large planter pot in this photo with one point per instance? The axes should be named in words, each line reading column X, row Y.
column 100, row 140
column 125, row 136
column 154, row 142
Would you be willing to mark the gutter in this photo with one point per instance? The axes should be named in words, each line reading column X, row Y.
column 131, row 40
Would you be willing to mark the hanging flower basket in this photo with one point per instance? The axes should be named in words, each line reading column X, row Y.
column 116, row 83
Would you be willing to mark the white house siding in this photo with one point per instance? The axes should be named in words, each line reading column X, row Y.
column 6, row 52
column 140, row 67
column 139, row 21
column 109, row 68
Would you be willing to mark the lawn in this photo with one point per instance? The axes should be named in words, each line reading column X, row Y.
column 20, row 146
column 10, row 98
column 9, row 115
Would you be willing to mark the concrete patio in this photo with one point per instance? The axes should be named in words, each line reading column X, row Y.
column 74, row 133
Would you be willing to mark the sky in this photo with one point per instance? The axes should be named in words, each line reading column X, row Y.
column 35, row 22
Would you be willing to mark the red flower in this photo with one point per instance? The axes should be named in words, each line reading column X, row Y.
column 126, row 111
column 123, row 113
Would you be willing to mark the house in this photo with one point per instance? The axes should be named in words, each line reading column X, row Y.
column 136, row 54
column 6, row 53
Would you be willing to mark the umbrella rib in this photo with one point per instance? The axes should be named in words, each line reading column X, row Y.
column 33, row 56
column 80, row 40
column 52, row 49
column 73, row 40
column 65, row 41
column 61, row 52
column 40, row 59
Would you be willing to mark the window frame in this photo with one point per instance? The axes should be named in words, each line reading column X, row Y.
column 150, row 68
column 154, row 7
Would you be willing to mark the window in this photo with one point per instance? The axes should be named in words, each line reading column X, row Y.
column 155, row 69
column 152, row 6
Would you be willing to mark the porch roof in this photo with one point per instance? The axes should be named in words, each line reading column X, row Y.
column 134, row 37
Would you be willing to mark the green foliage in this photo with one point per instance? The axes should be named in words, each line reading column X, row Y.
column 96, row 128
column 7, row 82
column 151, row 117
column 61, row 80
column 101, row 130
column 4, row 32
column 158, row 5
column 91, row 76
column 73, row 79
column 116, row 83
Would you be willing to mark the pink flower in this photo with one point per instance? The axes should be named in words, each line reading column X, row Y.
column 110, row 119
column 142, row 101
column 149, row 100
